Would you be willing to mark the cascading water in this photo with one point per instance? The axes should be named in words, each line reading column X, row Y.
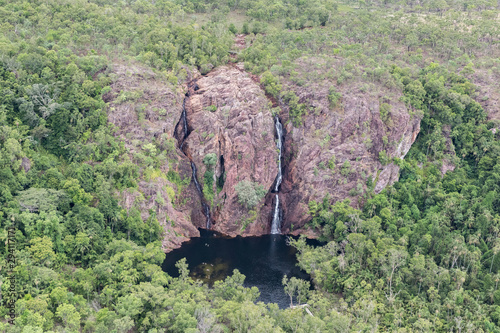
column 206, row 209
column 276, row 223
column 184, row 123
column 181, row 141
column 279, row 143
column 198, row 187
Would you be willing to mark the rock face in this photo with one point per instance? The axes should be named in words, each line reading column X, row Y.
column 145, row 108
column 339, row 150
column 229, row 116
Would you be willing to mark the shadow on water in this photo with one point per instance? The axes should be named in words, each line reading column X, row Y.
column 263, row 260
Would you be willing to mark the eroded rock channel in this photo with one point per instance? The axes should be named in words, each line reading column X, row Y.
column 181, row 133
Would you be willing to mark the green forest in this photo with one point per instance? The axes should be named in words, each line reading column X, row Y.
column 423, row 255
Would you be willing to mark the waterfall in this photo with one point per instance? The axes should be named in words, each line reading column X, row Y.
column 276, row 224
column 279, row 143
column 184, row 120
column 181, row 141
column 206, row 209
column 207, row 214
column 198, row 187
column 184, row 123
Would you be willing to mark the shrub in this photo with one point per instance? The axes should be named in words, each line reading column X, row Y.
column 333, row 97
column 346, row 168
column 271, row 83
column 208, row 178
column 170, row 193
column 296, row 109
column 245, row 30
column 210, row 159
column 150, row 149
column 383, row 158
column 385, row 109
column 249, row 193
column 331, row 163
column 232, row 28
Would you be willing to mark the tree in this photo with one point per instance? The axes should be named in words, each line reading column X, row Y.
column 74, row 190
column 298, row 287
column 206, row 321
column 210, row 160
column 82, row 244
column 182, row 266
column 59, row 296
column 124, row 324
column 494, row 250
column 184, row 322
column 271, row 84
column 68, row 316
column 129, row 305
column 42, row 252
column 249, row 193
column 395, row 259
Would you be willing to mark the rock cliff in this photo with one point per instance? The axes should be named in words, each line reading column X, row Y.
column 229, row 117
column 337, row 154
column 336, row 151
column 231, row 138
column 145, row 108
column 341, row 148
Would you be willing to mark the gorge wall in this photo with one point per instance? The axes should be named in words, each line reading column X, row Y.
column 229, row 117
column 341, row 148
column 144, row 108
column 231, row 139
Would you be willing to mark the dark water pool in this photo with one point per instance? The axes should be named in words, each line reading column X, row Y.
column 263, row 260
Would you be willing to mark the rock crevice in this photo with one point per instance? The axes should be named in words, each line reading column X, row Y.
column 181, row 133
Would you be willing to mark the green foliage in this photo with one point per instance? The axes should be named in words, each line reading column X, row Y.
column 69, row 317
column 245, row 29
column 252, row 216
column 346, row 168
column 41, row 250
column 296, row 288
column 232, row 28
column 297, row 13
column 271, row 84
column 249, row 193
column 210, row 160
column 383, row 158
column 385, row 110
column 331, row 163
column 296, row 110
column 334, row 97
column 417, row 239
column 211, row 108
